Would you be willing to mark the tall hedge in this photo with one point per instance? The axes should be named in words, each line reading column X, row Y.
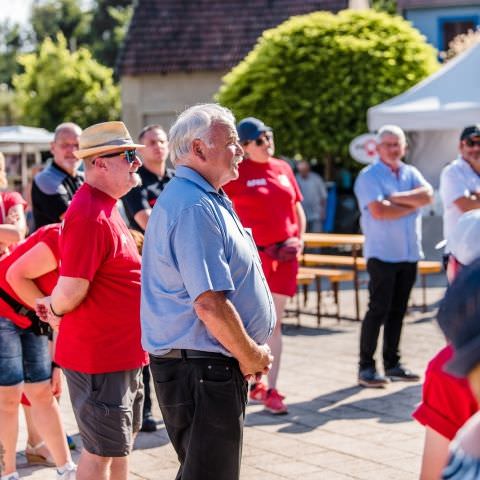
column 313, row 77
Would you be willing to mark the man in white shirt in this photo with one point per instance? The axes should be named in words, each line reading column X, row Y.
column 460, row 180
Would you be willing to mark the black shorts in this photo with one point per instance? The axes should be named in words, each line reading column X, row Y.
column 108, row 409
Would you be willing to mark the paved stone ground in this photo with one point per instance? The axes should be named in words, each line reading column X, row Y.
column 335, row 430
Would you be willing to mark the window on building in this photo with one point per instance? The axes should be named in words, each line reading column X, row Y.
column 451, row 27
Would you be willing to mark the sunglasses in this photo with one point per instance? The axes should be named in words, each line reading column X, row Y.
column 268, row 138
column 130, row 155
column 470, row 142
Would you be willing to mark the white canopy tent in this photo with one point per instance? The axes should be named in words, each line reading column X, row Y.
column 434, row 112
column 17, row 139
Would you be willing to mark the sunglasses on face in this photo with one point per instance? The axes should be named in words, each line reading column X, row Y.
column 130, row 155
column 267, row 138
column 470, row 142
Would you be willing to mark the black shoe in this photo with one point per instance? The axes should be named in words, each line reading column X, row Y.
column 149, row 424
column 370, row 378
column 400, row 373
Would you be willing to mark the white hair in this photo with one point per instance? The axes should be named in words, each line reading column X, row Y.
column 391, row 130
column 195, row 123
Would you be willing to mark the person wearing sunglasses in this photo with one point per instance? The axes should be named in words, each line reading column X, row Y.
column 267, row 199
column 460, row 180
column 95, row 305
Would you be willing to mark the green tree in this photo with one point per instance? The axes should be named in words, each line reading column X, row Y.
column 59, row 86
column 389, row 6
column 11, row 43
column 110, row 19
column 50, row 17
column 313, row 78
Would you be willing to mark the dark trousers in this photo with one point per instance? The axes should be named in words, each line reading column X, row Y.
column 147, row 404
column 389, row 287
column 203, row 406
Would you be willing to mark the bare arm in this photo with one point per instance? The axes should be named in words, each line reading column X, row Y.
column 142, row 217
column 418, row 197
column 13, row 231
column 435, row 455
column 465, row 204
column 302, row 220
column 68, row 294
column 386, row 210
column 34, row 263
column 223, row 322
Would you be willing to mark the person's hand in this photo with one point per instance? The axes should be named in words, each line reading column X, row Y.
column 13, row 217
column 44, row 312
column 56, row 381
column 259, row 364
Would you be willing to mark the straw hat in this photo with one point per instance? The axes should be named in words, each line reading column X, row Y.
column 103, row 138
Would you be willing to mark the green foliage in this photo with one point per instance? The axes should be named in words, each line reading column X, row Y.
column 59, row 86
column 11, row 42
column 313, row 77
column 101, row 29
column 9, row 113
column 389, row 6
column 51, row 17
column 110, row 19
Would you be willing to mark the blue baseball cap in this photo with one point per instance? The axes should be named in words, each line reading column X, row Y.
column 251, row 128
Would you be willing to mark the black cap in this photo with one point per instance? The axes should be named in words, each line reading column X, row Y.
column 469, row 132
column 459, row 319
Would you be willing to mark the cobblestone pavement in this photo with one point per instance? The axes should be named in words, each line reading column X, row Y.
column 335, row 430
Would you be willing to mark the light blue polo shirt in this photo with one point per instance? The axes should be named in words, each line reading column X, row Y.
column 194, row 243
column 398, row 240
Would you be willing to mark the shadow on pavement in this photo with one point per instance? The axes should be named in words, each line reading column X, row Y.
column 303, row 417
column 294, row 331
column 144, row 441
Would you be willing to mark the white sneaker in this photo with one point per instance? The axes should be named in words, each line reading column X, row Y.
column 67, row 472
column 11, row 476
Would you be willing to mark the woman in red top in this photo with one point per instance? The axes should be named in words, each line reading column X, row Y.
column 28, row 273
column 267, row 199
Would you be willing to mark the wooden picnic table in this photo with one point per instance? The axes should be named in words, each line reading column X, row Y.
column 353, row 240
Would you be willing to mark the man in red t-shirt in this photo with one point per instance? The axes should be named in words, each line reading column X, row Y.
column 96, row 305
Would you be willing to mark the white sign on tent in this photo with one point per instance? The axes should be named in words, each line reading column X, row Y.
column 364, row 148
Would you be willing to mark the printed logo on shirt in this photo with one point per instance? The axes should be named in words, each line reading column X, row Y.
column 283, row 179
column 124, row 239
column 256, row 182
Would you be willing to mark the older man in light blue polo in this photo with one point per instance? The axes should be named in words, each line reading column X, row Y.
column 390, row 195
column 206, row 308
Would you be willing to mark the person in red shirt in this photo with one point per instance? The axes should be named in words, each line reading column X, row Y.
column 447, row 401
column 25, row 363
column 267, row 199
column 96, row 305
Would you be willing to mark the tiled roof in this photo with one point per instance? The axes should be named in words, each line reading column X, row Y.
column 187, row 35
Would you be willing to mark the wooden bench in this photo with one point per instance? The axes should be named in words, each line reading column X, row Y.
column 425, row 267
column 305, row 277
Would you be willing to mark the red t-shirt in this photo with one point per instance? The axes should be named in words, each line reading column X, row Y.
column 47, row 235
column 9, row 200
column 447, row 401
column 103, row 333
column 264, row 197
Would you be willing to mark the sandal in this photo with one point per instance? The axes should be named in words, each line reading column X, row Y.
column 36, row 458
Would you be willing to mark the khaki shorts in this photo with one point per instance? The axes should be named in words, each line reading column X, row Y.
column 108, row 409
